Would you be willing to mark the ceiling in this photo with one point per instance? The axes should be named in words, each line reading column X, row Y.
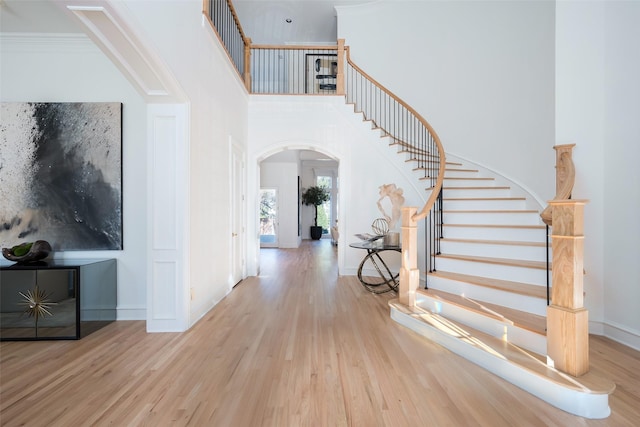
column 264, row 21
column 312, row 21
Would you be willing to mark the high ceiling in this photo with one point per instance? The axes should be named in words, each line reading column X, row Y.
column 312, row 21
column 264, row 21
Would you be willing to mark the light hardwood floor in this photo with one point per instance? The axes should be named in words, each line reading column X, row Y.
column 297, row 346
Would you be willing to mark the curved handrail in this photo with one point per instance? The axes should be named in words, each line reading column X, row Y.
column 437, row 186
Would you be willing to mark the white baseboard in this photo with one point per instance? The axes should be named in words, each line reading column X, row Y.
column 622, row 334
column 131, row 313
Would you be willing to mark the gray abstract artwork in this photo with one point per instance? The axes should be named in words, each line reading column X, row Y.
column 61, row 174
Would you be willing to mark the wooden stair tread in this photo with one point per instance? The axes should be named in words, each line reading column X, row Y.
column 480, row 199
column 459, row 170
column 540, row 227
column 512, row 211
column 522, row 319
column 495, row 242
column 498, row 261
column 535, row 363
column 477, row 188
column 455, row 178
column 525, row 289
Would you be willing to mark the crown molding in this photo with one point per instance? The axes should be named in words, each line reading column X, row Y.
column 47, row 43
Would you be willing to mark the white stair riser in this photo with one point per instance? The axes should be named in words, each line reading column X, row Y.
column 469, row 182
column 461, row 174
column 457, row 193
column 496, row 233
column 496, row 296
column 529, row 253
column 503, row 329
column 532, row 276
column 471, row 204
column 494, row 218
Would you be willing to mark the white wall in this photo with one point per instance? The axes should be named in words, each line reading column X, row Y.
column 218, row 112
column 283, row 176
column 621, row 171
column 481, row 72
column 598, row 105
column 69, row 68
column 216, row 117
column 327, row 125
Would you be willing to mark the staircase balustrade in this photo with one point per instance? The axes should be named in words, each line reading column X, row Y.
column 294, row 70
column 224, row 20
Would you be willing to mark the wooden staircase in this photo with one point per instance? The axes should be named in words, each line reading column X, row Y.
column 486, row 300
column 487, row 289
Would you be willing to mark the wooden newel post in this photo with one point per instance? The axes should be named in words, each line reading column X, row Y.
column 409, row 273
column 247, row 64
column 341, row 63
column 567, row 319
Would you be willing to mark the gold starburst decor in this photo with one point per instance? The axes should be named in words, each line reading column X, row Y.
column 37, row 304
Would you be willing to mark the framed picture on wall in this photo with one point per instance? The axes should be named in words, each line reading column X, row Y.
column 61, row 174
column 321, row 73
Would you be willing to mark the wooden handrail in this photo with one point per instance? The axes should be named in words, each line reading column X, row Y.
column 237, row 21
column 294, row 47
column 206, row 11
column 418, row 216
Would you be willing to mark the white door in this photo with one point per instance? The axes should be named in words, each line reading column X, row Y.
column 237, row 215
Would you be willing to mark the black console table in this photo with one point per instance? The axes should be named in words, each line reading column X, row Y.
column 388, row 281
column 78, row 297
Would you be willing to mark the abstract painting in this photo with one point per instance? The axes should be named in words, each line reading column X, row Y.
column 61, row 175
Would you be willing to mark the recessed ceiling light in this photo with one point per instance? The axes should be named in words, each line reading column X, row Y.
column 288, row 20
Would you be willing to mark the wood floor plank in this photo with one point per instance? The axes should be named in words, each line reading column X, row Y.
column 296, row 346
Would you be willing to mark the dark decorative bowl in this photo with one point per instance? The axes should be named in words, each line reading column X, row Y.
column 39, row 250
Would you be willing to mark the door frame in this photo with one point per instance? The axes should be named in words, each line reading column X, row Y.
column 238, row 214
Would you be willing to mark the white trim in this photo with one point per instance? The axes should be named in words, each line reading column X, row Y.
column 47, row 43
column 131, row 313
column 621, row 334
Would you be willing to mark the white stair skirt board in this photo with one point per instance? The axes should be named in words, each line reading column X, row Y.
column 558, row 389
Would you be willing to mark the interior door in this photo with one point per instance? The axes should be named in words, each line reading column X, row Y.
column 237, row 215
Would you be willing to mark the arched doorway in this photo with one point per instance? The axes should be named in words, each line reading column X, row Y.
column 283, row 174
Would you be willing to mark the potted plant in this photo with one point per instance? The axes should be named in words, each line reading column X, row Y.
column 315, row 196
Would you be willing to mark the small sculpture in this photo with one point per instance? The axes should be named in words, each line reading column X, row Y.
column 28, row 252
column 397, row 200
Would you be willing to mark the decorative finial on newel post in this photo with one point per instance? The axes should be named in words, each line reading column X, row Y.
column 565, row 178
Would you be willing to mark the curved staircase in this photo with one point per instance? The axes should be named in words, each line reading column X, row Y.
column 486, row 298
